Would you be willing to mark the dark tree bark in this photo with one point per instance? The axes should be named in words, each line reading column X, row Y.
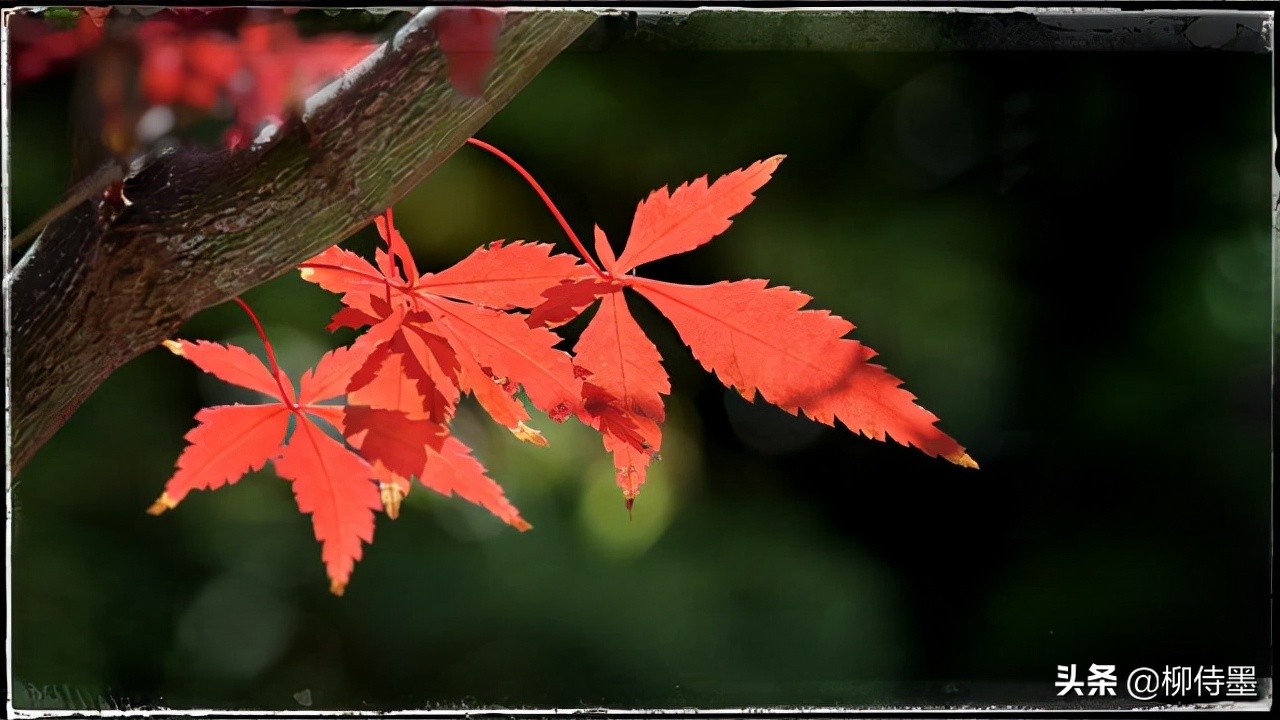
column 207, row 225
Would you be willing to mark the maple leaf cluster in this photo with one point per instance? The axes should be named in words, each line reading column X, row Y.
column 484, row 327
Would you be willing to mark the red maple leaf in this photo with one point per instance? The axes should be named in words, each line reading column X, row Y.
column 446, row 466
column 452, row 333
column 330, row 482
column 753, row 337
column 452, row 321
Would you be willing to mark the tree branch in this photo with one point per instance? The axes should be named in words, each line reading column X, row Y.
column 206, row 225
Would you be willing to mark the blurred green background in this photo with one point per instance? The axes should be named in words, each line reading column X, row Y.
column 1065, row 255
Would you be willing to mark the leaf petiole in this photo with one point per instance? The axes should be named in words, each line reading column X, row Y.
column 573, row 237
column 287, row 397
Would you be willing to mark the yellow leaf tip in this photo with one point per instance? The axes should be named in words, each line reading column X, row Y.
column 391, row 494
column 306, row 272
column 162, row 503
column 173, row 346
column 521, row 524
column 529, row 435
column 963, row 460
column 337, row 587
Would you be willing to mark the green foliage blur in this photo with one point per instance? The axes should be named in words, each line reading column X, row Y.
column 1065, row 255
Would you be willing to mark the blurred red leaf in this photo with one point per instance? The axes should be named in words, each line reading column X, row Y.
column 468, row 39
